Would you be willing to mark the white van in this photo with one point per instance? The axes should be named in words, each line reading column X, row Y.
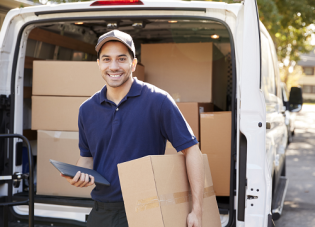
column 244, row 80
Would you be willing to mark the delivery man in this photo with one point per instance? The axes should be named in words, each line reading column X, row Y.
column 126, row 120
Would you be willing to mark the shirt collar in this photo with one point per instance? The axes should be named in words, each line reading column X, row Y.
column 134, row 91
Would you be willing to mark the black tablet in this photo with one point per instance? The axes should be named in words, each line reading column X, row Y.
column 71, row 171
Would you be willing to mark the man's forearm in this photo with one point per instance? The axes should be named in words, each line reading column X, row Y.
column 196, row 176
column 86, row 162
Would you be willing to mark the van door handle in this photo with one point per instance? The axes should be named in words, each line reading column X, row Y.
column 252, row 197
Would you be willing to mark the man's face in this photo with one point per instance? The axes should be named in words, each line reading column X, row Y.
column 115, row 64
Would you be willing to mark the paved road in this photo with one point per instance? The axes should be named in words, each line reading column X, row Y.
column 299, row 205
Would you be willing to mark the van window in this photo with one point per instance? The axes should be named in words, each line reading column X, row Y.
column 268, row 81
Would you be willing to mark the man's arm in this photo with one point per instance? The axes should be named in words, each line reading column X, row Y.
column 82, row 179
column 196, row 176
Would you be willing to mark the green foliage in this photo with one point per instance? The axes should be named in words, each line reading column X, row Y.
column 287, row 22
column 291, row 33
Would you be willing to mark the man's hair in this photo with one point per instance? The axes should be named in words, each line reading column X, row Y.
column 129, row 51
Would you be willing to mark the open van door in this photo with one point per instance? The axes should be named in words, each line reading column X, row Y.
column 253, row 175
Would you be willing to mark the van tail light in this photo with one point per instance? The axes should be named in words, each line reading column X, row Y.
column 116, row 2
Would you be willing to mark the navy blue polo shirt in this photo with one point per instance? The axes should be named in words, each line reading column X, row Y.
column 137, row 127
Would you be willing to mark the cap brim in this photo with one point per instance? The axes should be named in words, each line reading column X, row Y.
column 100, row 44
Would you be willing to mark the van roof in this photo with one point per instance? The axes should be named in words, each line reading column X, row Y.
column 160, row 4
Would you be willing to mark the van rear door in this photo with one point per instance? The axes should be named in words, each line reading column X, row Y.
column 253, row 177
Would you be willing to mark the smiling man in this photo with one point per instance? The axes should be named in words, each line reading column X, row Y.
column 126, row 120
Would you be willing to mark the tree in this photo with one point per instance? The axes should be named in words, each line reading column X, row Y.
column 288, row 22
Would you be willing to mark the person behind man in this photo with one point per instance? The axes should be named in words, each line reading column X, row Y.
column 126, row 120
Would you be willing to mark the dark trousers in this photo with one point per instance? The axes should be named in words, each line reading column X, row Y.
column 107, row 215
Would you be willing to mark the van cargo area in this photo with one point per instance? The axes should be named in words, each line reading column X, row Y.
column 191, row 59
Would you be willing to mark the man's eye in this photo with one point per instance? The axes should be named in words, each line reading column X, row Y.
column 122, row 59
column 106, row 59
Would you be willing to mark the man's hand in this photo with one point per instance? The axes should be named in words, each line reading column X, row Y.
column 80, row 179
column 196, row 177
column 194, row 219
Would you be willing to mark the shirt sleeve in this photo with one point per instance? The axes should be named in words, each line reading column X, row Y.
column 83, row 144
column 174, row 126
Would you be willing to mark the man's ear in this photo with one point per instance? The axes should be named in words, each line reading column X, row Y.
column 134, row 64
column 98, row 62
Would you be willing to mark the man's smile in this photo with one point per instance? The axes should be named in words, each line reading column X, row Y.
column 114, row 75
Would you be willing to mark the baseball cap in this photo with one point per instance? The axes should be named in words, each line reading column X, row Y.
column 118, row 36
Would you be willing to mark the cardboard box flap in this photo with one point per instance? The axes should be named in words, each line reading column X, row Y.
column 143, row 203
column 175, row 194
column 172, row 187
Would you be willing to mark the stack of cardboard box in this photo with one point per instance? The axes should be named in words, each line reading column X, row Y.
column 59, row 88
column 185, row 70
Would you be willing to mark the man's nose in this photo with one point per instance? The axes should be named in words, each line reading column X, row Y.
column 114, row 65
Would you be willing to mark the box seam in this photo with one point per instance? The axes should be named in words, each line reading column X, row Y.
column 157, row 192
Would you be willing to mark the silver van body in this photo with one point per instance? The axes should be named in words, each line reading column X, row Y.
column 258, row 134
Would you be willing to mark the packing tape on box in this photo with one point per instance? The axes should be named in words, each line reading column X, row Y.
column 204, row 115
column 57, row 134
column 170, row 199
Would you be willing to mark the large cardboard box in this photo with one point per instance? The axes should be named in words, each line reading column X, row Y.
column 191, row 111
column 182, row 69
column 216, row 143
column 139, row 72
column 56, row 113
column 156, row 192
column 70, row 78
column 170, row 149
column 60, row 146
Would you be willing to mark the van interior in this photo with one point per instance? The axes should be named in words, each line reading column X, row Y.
column 191, row 59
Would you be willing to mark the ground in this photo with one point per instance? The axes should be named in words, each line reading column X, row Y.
column 299, row 203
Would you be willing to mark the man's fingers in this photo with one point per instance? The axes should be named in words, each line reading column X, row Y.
column 91, row 181
column 193, row 220
column 76, row 177
column 80, row 179
column 86, row 180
